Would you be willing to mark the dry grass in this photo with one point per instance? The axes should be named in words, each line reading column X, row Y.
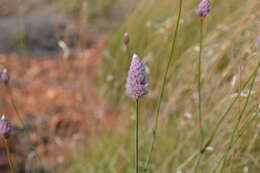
column 230, row 56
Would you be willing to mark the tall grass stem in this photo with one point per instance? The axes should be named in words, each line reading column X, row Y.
column 199, row 96
column 241, row 132
column 162, row 88
column 224, row 115
column 136, row 138
column 229, row 146
column 199, row 84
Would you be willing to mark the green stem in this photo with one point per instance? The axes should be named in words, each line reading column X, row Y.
column 245, row 126
column 222, row 118
column 136, row 138
column 224, row 115
column 24, row 126
column 9, row 157
column 188, row 160
column 229, row 147
column 199, row 95
column 162, row 89
column 128, row 51
column 199, row 83
column 198, row 163
column 243, row 129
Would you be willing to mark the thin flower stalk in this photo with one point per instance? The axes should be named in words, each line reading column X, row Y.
column 6, row 78
column 199, row 84
column 136, row 87
column 126, row 40
column 9, row 156
column 136, row 139
column 202, row 11
column 24, row 126
column 199, row 94
column 165, row 76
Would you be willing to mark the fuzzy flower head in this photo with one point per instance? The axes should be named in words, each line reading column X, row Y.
column 5, row 127
column 203, row 8
column 136, row 84
column 5, row 76
column 126, row 38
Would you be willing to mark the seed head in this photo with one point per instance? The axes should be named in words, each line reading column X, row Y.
column 5, row 127
column 126, row 38
column 137, row 83
column 5, row 76
column 203, row 8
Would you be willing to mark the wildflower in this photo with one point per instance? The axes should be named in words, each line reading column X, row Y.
column 203, row 8
column 5, row 127
column 5, row 76
column 136, row 84
column 126, row 38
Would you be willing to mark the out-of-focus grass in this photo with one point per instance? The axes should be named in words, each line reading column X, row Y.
column 88, row 10
column 229, row 56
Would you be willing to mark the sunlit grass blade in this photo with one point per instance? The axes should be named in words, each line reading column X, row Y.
column 229, row 146
column 241, row 132
column 224, row 115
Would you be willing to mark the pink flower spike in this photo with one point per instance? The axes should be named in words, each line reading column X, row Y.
column 5, row 127
column 137, row 83
column 5, row 76
column 203, row 9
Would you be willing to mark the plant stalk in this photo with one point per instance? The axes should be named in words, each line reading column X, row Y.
column 222, row 118
column 136, row 138
column 199, row 85
column 241, row 132
column 229, row 147
column 158, row 108
column 24, row 126
column 199, row 95
column 9, row 157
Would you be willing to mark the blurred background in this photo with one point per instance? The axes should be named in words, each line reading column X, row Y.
column 68, row 66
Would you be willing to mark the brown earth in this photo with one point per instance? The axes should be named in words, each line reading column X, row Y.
column 56, row 97
column 58, row 101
